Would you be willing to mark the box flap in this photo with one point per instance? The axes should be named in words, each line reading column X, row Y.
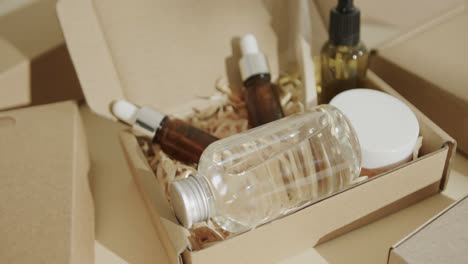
column 35, row 67
column 46, row 208
column 382, row 21
column 431, row 71
column 14, row 76
column 442, row 239
column 30, row 25
column 440, row 50
column 166, row 53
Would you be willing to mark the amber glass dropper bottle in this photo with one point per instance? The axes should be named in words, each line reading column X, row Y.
column 262, row 98
column 344, row 58
column 177, row 139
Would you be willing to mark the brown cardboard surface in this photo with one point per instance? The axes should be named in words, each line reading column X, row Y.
column 428, row 66
column 41, row 71
column 46, row 209
column 443, row 239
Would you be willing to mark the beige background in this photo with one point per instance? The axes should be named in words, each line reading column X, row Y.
column 124, row 233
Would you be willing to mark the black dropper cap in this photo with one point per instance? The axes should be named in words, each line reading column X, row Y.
column 344, row 24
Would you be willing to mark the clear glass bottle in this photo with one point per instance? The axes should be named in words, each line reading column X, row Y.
column 344, row 58
column 273, row 170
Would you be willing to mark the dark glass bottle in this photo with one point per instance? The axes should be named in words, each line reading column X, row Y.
column 262, row 97
column 262, row 100
column 344, row 58
column 177, row 138
column 181, row 140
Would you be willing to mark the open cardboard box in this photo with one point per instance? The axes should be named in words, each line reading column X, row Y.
column 46, row 208
column 442, row 239
column 169, row 54
column 428, row 66
column 35, row 67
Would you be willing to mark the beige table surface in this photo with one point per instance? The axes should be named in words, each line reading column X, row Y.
column 124, row 233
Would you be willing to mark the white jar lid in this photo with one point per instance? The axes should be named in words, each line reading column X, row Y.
column 386, row 127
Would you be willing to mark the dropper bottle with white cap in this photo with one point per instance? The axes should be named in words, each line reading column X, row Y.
column 177, row 138
column 262, row 98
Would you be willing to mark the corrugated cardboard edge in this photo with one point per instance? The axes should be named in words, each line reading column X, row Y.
column 82, row 234
column 75, row 16
column 398, row 259
column 448, row 140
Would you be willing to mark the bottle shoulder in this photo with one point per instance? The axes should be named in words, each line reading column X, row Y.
column 331, row 50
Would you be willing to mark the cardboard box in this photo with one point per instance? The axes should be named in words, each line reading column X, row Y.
column 431, row 66
column 443, row 239
column 168, row 54
column 46, row 209
column 35, row 67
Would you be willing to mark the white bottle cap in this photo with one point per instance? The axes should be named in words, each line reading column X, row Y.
column 144, row 120
column 386, row 127
column 253, row 62
column 249, row 44
column 125, row 111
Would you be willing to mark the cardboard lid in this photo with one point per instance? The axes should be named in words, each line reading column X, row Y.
column 166, row 54
column 443, row 239
column 46, row 212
